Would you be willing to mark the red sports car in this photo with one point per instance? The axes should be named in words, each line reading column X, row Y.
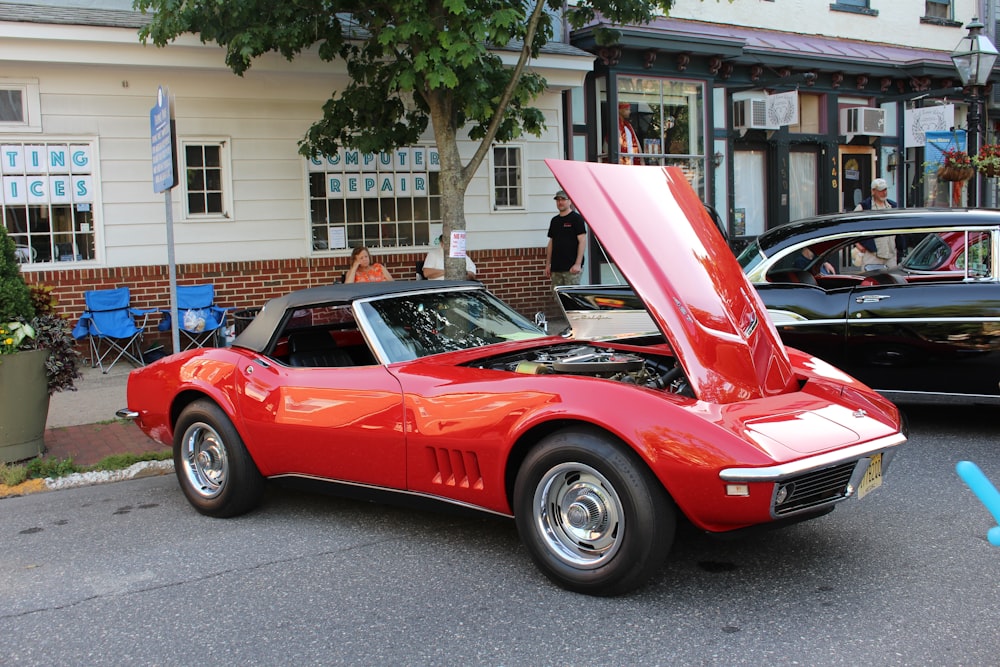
column 439, row 390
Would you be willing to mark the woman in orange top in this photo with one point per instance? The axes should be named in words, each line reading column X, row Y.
column 363, row 271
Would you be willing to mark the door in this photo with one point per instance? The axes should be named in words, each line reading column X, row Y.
column 941, row 337
column 334, row 423
column 857, row 169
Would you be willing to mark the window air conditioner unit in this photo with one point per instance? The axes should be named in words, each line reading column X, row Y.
column 863, row 120
column 751, row 114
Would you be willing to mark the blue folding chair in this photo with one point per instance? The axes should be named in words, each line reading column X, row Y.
column 201, row 321
column 110, row 325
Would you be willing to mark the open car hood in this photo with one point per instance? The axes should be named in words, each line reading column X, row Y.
column 654, row 227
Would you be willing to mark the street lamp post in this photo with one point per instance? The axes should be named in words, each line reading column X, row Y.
column 974, row 58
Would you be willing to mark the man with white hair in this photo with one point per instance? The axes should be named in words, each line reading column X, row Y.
column 884, row 251
column 879, row 198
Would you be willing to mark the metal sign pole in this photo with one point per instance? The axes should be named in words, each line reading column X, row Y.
column 175, row 336
column 162, row 133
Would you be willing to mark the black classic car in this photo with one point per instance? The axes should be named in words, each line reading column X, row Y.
column 905, row 300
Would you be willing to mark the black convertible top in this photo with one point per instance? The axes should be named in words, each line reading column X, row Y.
column 259, row 332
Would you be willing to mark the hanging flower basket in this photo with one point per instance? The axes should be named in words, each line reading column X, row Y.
column 953, row 173
column 956, row 166
column 988, row 160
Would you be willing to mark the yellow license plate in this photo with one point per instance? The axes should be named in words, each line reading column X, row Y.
column 872, row 478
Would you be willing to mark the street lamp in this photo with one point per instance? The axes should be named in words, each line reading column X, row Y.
column 974, row 57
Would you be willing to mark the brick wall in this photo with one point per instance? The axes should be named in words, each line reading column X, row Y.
column 513, row 274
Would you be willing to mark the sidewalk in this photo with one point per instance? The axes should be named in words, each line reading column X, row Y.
column 82, row 424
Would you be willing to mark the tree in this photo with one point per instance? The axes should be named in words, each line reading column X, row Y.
column 410, row 63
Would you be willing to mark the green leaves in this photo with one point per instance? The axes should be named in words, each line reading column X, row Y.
column 408, row 61
column 15, row 297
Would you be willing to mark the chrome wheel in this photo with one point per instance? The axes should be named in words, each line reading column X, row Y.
column 212, row 464
column 579, row 515
column 204, row 460
column 593, row 517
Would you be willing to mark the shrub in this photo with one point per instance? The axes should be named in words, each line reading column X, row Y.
column 15, row 297
column 29, row 321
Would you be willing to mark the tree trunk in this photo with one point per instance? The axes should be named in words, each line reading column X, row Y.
column 454, row 179
column 453, row 219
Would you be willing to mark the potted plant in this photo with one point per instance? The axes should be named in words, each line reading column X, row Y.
column 956, row 166
column 37, row 357
column 988, row 160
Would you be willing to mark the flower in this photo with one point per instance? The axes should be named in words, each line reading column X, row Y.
column 13, row 336
column 988, row 159
column 956, row 158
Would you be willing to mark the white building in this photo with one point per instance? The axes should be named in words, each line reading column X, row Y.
column 249, row 213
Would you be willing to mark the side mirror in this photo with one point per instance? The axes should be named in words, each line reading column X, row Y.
column 541, row 322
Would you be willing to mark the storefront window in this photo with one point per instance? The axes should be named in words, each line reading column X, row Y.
column 749, row 192
column 803, row 186
column 660, row 122
column 47, row 201
column 383, row 200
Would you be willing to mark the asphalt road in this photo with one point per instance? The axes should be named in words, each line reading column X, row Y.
column 128, row 573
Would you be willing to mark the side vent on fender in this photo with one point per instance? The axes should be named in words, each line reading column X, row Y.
column 456, row 468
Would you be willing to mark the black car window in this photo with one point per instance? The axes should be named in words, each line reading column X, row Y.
column 333, row 315
column 976, row 260
column 321, row 335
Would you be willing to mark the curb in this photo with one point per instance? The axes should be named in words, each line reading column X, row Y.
column 77, row 479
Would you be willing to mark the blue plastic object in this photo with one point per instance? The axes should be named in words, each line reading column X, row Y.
column 987, row 493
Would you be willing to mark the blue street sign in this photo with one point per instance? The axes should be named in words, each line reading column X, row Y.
column 161, row 132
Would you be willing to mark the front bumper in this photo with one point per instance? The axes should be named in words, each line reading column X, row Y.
column 816, row 482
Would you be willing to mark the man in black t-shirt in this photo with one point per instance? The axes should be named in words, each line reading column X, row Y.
column 567, row 242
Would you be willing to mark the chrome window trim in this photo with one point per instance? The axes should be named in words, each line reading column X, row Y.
column 757, row 274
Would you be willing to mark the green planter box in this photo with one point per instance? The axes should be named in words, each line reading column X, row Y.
column 24, row 405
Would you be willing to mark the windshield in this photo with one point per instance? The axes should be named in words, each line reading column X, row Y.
column 413, row 326
column 751, row 256
column 930, row 254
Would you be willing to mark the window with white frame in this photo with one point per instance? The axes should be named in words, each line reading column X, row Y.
column 48, row 200
column 19, row 105
column 378, row 200
column 508, row 184
column 207, row 190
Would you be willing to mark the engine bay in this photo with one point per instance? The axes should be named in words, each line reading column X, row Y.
column 655, row 371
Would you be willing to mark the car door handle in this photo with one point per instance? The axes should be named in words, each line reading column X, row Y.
column 259, row 362
column 870, row 298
